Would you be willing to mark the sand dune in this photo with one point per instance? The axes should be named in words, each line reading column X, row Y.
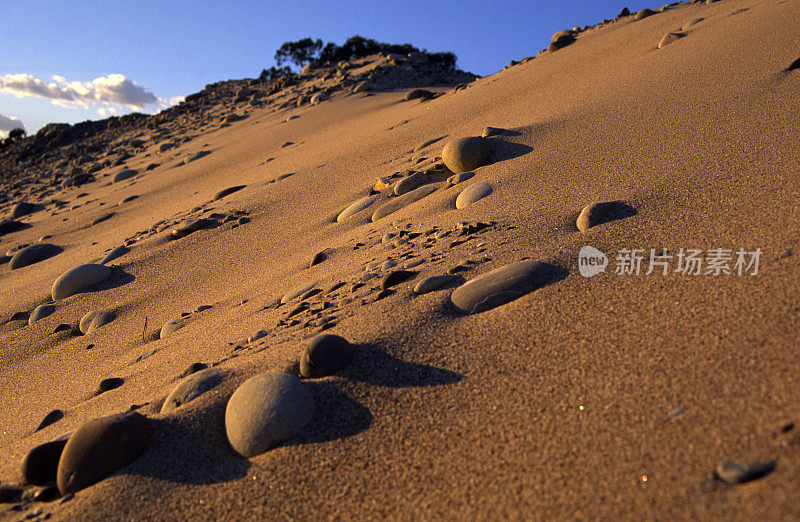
column 514, row 388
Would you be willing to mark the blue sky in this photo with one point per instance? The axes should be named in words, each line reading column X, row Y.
column 90, row 58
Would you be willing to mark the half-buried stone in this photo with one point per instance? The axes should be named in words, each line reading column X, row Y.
column 171, row 326
column 473, row 193
column 23, row 208
column 117, row 252
column 326, row 354
column 187, row 227
column 466, row 154
column 78, row 279
column 33, row 254
column 429, row 284
column 265, row 411
column 40, row 464
column 669, row 38
column 227, row 192
column 410, row 183
column 123, row 175
column 41, row 312
column 355, row 208
column 503, row 285
column 644, row 13
column 604, row 212
column 297, row 291
column 560, row 40
column 406, row 199
column 101, row 447
column 95, row 319
column 191, row 388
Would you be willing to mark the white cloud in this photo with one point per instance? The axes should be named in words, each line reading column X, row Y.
column 8, row 123
column 114, row 89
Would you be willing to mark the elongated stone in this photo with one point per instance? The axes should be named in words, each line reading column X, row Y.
column 502, row 285
column 355, row 208
column 78, row 279
column 101, row 447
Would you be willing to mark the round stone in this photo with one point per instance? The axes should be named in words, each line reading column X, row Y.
column 429, row 284
column 502, row 285
column 326, row 354
column 473, row 193
column 23, row 208
column 644, row 13
column 599, row 213
column 355, row 208
column 109, row 384
column 396, row 277
column 95, row 319
column 466, row 154
column 78, row 279
column 39, row 466
column 101, row 447
column 266, row 410
column 33, row 254
column 669, row 38
column 415, row 94
column 40, row 312
column 123, row 175
column 318, row 98
column 117, row 252
column 171, row 326
column 191, row 388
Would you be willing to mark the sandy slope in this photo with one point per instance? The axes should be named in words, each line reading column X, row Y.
column 558, row 404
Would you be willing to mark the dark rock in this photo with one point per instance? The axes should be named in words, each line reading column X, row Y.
column 415, row 94
column 625, row 12
column 40, row 465
column 109, row 384
column 24, row 208
column 193, row 368
column 7, row 226
column 51, row 418
column 644, row 13
column 319, row 258
column 190, row 388
column 396, row 277
column 737, row 472
column 101, row 447
column 227, row 192
column 326, row 355
column 33, row 254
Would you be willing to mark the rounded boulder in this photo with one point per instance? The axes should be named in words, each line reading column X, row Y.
column 326, row 354
column 191, row 388
column 101, row 447
column 466, row 154
column 78, row 279
column 266, row 410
